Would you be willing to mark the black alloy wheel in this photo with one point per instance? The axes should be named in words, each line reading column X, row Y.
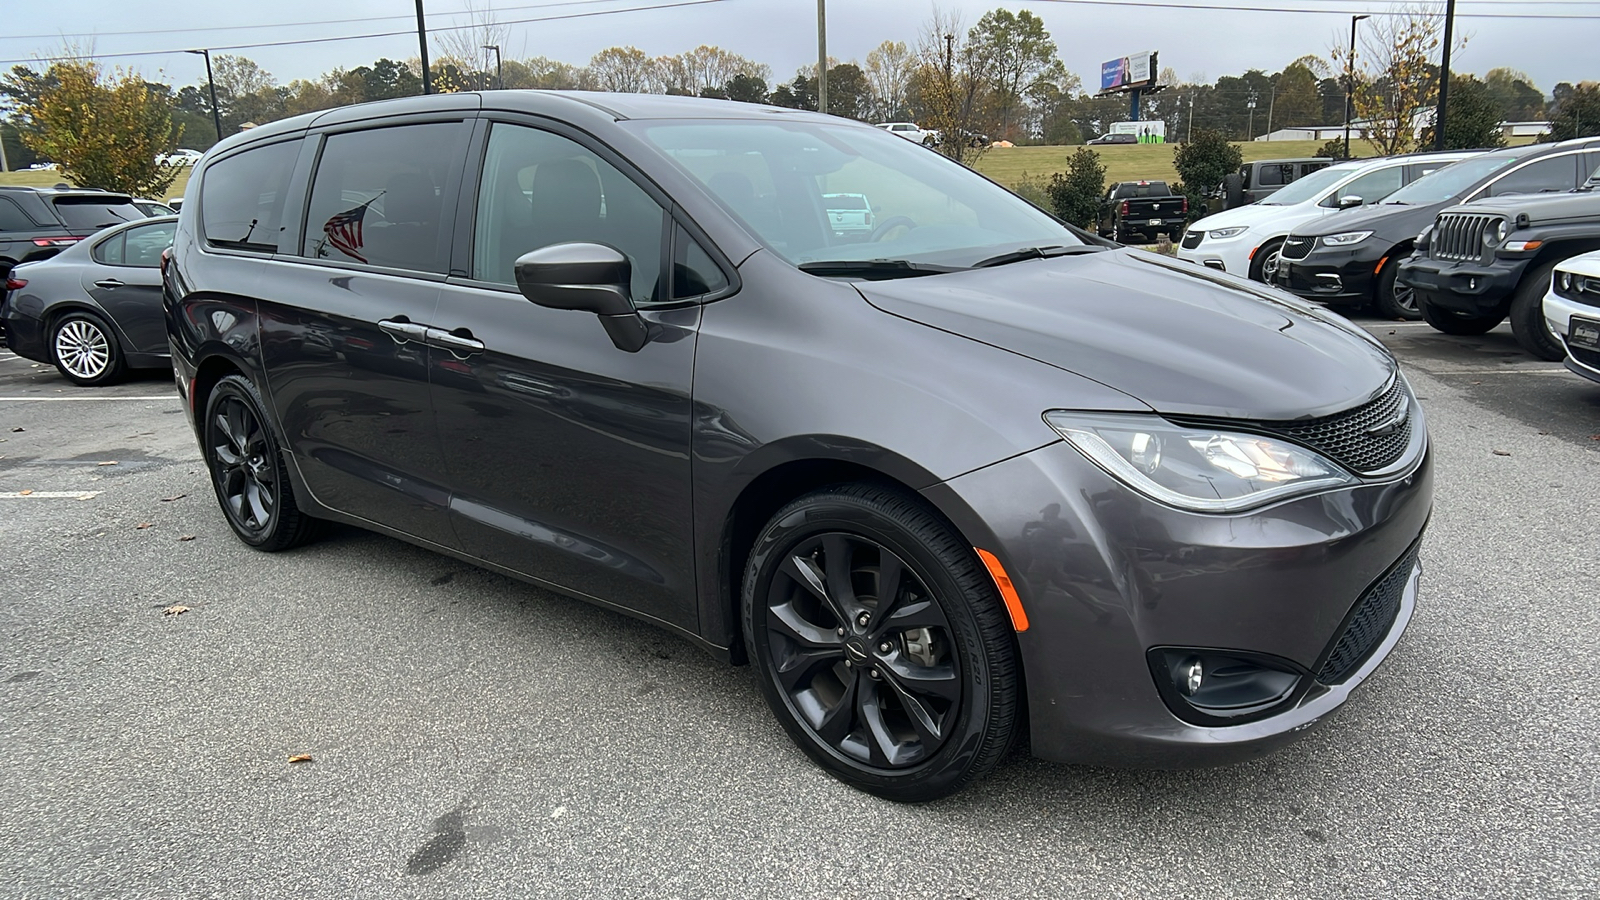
column 882, row 646
column 1267, row 262
column 1395, row 300
column 250, row 479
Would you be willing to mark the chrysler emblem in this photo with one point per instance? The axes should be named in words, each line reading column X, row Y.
column 1393, row 423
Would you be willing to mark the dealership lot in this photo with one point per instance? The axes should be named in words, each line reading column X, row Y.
column 473, row 736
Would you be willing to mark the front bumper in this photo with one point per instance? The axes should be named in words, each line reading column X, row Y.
column 1106, row 575
column 1469, row 288
column 1332, row 275
column 1231, row 255
column 1558, row 313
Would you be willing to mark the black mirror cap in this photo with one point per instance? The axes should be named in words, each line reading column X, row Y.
column 579, row 275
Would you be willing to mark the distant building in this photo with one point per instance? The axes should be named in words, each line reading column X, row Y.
column 1420, row 120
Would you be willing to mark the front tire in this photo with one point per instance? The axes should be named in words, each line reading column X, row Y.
column 1455, row 323
column 85, row 350
column 1395, row 300
column 247, row 469
column 1264, row 268
column 1528, row 323
column 880, row 643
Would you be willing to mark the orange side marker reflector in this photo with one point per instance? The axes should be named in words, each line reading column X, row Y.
column 1379, row 267
column 1253, row 252
column 1008, row 591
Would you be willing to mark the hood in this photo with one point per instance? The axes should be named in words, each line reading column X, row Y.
column 1179, row 337
column 1392, row 220
column 1250, row 215
column 1540, row 209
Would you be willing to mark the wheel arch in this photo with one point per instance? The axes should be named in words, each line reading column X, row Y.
column 57, row 310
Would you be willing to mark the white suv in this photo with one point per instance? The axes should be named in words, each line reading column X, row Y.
column 911, row 131
column 1572, row 309
column 1245, row 241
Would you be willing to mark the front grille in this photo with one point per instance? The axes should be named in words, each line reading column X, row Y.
column 1192, row 239
column 1459, row 236
column 1296, row 247
column 1369, row 621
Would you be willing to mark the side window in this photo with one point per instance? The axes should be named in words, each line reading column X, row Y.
column 1273, row 176
column 1555, row 174
column 109, row 252
column 145, row 243
column 379, row 196
column 540, row 189
column 12, row 218
column 693, row 272
column 1374, row 186
column 242, row 197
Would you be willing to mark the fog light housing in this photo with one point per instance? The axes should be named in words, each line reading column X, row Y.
column 1225, row 687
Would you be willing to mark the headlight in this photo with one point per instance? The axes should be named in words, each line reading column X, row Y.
column 1496, row 234
column 1221, row 233
column 1564, row 279
column 1200, row 469
column 1346, row 238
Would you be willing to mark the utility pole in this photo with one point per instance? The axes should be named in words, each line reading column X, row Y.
column 216, row 116
column 499, row 71
column 822, row 56
column 1272, row 102
column 1190, row 136
column 422, row 46
column 1444, row 77
column 1250, row 130
column 1350, row 82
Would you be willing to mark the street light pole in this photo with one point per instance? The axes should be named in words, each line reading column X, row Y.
column 499, row 72
column 1444, row 77
column 1350, row 82
column 422, row 47
column 211, row 81
column 1250, row 130
column 822, row 56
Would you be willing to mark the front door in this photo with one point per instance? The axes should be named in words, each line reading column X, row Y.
column 343, row 321
column 568, row 458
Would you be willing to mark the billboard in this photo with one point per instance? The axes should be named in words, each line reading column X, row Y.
column 1129, row 72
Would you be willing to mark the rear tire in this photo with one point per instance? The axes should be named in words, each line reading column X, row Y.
column 85, row 350
column 1528, row 324
column 1455, row 323
column 1394, row 300
column 881, row 644
column 248, row 473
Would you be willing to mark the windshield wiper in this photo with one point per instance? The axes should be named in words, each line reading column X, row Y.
column 874, row 269
column 1023, row 253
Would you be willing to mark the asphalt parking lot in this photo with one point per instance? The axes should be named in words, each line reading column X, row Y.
column 472, row 736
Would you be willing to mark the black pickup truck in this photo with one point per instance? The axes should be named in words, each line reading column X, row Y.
column 1481, row 262
column 1138, row 211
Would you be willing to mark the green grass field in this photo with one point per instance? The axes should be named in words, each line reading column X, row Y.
column 46, row 178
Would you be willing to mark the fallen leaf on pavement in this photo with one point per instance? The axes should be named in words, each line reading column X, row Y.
column 175, row 610
column 143, row 525
column 15, row 430
column 1594, row 437
column 300, row 758
column 1502, row 452
column 109, row 462
column 170, row 499
column 26, row 492
column 187, row 537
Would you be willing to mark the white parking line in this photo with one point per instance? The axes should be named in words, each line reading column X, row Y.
column 1495, row 371
column 49, row 495
column 172, row 397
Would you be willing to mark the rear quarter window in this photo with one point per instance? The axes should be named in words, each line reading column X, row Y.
column 12, row 218
column 242, row 197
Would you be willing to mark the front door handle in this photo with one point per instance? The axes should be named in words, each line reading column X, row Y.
column 403, row 330
column 108, row 283
column 462, row 345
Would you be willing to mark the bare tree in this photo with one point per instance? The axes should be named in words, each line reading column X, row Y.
column 949, row 86
column 463, row 45
column 1396, row 76
column 889, row 70
column 626, row 70
column 706, row 68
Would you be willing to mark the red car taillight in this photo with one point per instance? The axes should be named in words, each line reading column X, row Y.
column 56, row 241
column 166, row 260
column 1124, row 207
column 1185, row 204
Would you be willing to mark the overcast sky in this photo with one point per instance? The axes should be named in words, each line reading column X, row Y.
column 781, row 33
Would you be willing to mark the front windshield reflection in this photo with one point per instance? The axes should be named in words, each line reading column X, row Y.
column 817, row 192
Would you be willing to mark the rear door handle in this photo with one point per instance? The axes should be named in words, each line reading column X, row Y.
column 462, row 345
column 403, row 330
column 108, row 283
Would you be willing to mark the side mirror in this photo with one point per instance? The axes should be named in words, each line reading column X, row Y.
column 586, row 277
column 1350, row 202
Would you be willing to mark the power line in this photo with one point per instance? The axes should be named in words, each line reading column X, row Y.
column 407, row 17
column 362, row 37
column 1149, row 4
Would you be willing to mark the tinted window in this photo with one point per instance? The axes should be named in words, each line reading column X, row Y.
column 1374, row 186
column 1450, row 181
column 1274, row 176
column 540, row 189
column 1555, row 174
column 693, row 272
column 109, row 251
column 12, row 218
column 379, row 197
column 242, row 197
column 90, row 214
column 145, row 243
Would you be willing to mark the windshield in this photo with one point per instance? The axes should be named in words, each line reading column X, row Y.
column 1309, row 187
column 1451, row 181
column 90, row 214
column 789, row 182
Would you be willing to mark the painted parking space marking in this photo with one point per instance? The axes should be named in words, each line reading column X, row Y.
column 172, row 397
column 49, row 495
column 1496, row 371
